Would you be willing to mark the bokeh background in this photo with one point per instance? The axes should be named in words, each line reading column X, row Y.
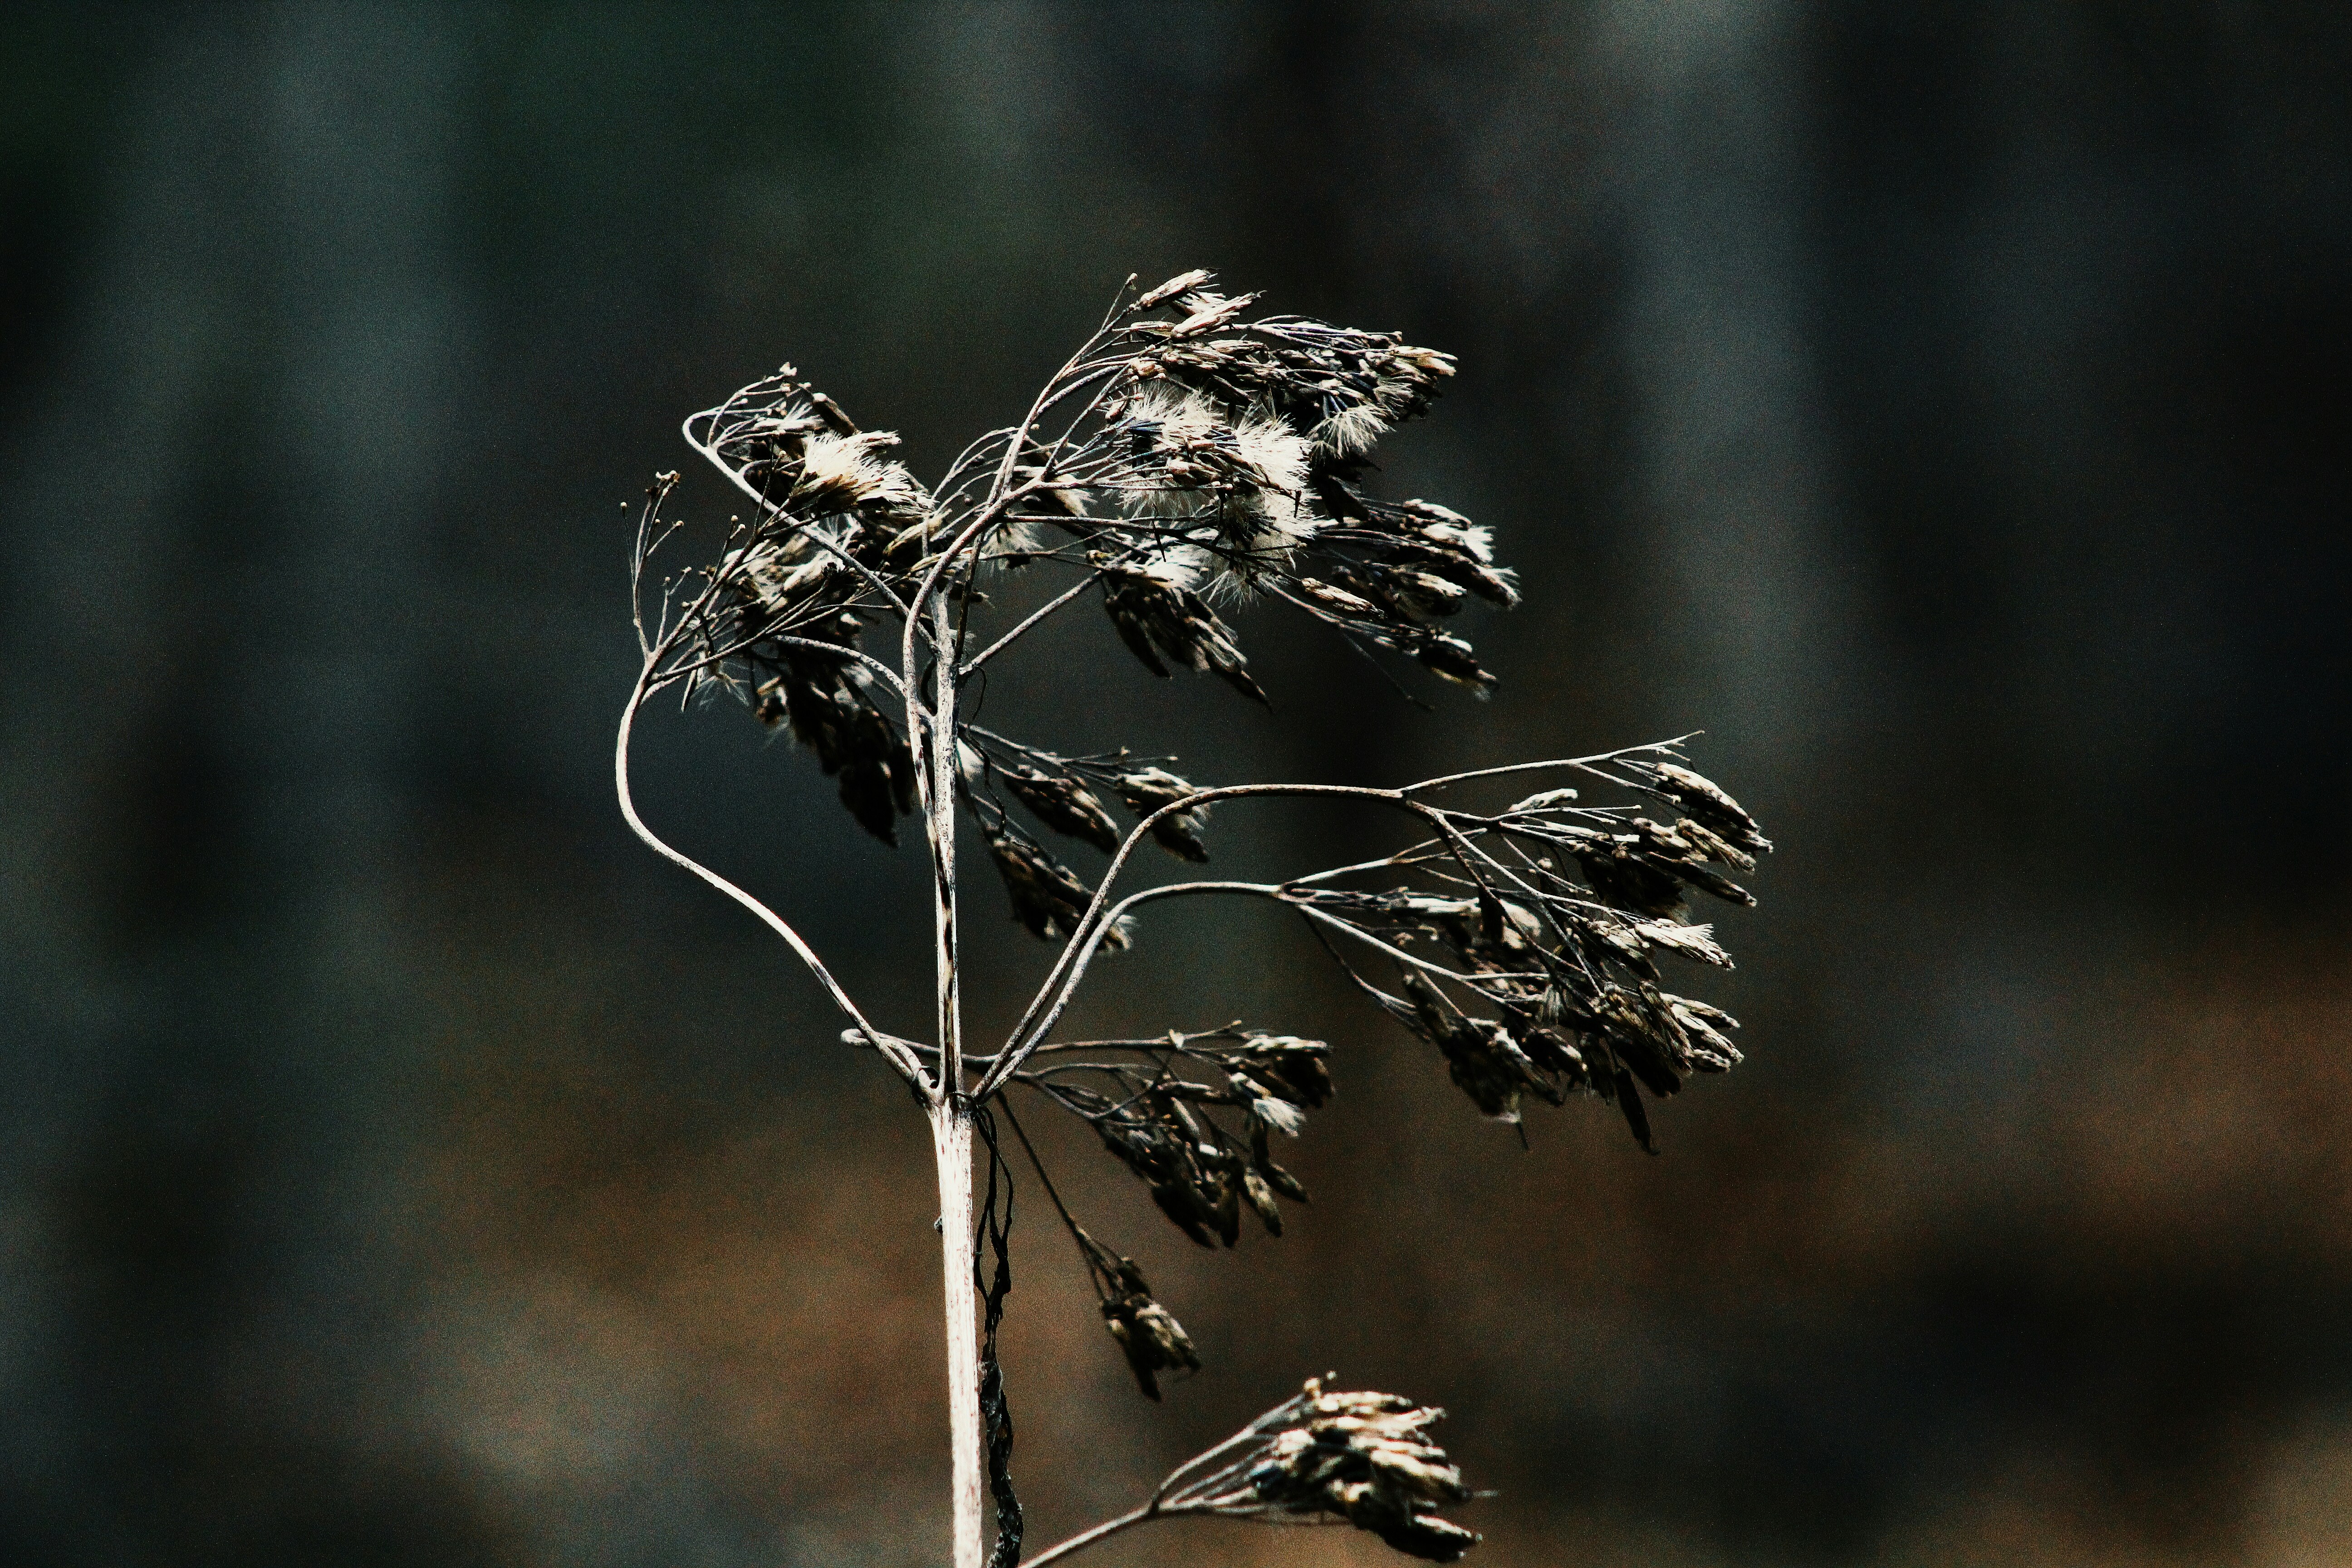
column 1943, row 407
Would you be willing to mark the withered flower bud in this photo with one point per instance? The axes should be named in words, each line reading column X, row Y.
column 1628, row 873
column 1700, row 797
column 1692, row 941
column 1149, row 1335
column 1155, row 618
column 1064, row 805
column 1646, row 1037
column 1195, row 1185
column 1339, row 601
column 1711, row 1049
column 1048, row 899
column 1423, row 593
column 1451, row 657
column 1288, row 1066
column 1481, row 1056
column 1274, row 1176
column 1713, row 846
column 1260, row 1196
column 1146, row 790
column 1173, row 287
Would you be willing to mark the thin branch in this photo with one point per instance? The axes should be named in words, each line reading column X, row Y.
column 1009, row 639
column 1402, row 956
column 1100, row 1532
column 1584, row 765
column 1088, row 932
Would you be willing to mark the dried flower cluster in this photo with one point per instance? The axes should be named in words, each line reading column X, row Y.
column 1325, row 1456
column 1211, row 457
column 1569, row 968
column 1365, row 1457
column 1201, row 1170
column 1189, row 461
column 1148, row 1333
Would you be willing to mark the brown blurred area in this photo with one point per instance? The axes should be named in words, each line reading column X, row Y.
column 1942, row 407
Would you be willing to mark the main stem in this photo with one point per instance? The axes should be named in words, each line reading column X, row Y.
column 952, row 1146
column 950, row 1114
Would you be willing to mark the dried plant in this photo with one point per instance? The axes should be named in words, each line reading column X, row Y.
column 1187, row 460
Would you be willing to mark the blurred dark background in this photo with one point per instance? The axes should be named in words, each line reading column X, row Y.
column 1943, row 407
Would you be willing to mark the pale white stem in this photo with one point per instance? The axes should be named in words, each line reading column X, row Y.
column 1058, row 602
column 951, row 1148
column 949, row 1111
column 937, row 765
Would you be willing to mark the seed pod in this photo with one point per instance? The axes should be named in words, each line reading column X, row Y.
column 1283, row 1066
column 1707, row 843
column 1451, row 657
column 1338, row 601
column 1260, row 1199
column 1173, row 287
column 1692, row 941
column 1280, row 1180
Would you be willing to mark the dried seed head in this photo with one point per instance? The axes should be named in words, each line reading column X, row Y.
column 1450, row 657
column 1156, row 618
column 834, row 712
column 1696, row 941
column 1715, row 810
column 1048, row 899
column 1353, row 430
column 838, row 472
column 1555, row 990
column 1286, row 1067
column 1063, row 803
column 1482, row 1057
column 1149, row 1335
column 1711, row 1049
column 1194, row 1181
column 1147, row 790
column 1357, row 1456
column 1153, row 298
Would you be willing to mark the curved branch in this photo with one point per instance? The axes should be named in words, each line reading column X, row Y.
column 1097, row 924
column 890, row 1049
column 1091, row 925
column 1177, row 1496
column 1074, row 375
